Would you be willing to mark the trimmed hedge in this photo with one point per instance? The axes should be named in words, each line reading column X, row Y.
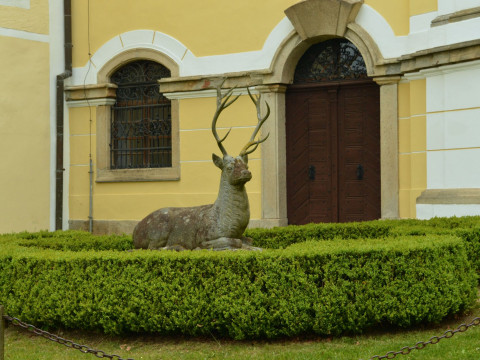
column 467, row 228
column 322, row 287
column 281, row 237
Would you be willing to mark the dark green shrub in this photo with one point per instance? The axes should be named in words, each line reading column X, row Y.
column 281, row 237
column 74, row 241
column 471, row 237
column 323, row 287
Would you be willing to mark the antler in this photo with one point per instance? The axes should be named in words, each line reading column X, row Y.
column 252, row 142
column 222, row 103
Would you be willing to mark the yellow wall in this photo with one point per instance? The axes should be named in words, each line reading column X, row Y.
column 25, row 135
column 412, row 145
column 211, row 28
column 199, row 177
column 398, row 12
column 34, row 20
column 205, row 27
column 208, row 27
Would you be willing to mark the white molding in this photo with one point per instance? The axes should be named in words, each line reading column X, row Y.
column 24, row 35
column 447, row 69
column 451, row 6
column 24, row 4
column 421, row 38
column 428, row 211
column 422, row 22
column 57, row 66
column 391, row 46
column 205, row 93
column 442, row 70
column 90, row 103
column 412, row 76
column 372, row 22
column 189, row 64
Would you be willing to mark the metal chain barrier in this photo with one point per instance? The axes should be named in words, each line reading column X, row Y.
column 68, row 343
column 101, row 354
column 433, row 340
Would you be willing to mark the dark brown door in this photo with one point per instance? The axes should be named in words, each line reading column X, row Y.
column 333, row 152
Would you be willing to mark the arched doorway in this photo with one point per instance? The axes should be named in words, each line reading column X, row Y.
column 332, row 137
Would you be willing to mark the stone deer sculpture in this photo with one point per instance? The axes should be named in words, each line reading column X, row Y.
column 218, row 226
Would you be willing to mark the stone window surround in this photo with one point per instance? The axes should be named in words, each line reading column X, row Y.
column 102, row 95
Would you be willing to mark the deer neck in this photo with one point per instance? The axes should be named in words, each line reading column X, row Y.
column 232, row 208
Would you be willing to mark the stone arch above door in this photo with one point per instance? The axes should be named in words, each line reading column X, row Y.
column 315, row 21
column 318, row 20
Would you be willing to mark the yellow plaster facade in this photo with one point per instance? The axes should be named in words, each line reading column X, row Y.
column 398, row 12
column 25, row 135
column 33, row 19
column 262, row 46
column 206, row 28
column 199, row 180
column 412, row 145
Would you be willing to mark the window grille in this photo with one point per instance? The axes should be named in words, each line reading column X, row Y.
column 141, row 125
column 331, row 60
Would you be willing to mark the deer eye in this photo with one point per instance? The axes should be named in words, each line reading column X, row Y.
column 229, row 168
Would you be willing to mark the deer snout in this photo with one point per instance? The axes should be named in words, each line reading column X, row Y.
column 241, row 176
column 246, row 174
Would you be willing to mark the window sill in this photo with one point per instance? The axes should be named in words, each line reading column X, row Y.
column 137, row 175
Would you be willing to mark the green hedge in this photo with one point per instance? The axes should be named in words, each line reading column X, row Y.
column 73, row 241
column 281, row 237
column 322, row 287
column 467, row 228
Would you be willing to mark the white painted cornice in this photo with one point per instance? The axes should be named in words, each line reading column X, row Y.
column 92, row 102
column 442, row 70
column 206, row 93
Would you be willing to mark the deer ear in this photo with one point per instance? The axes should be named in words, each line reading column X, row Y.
column 245, row 158
column 218, row 161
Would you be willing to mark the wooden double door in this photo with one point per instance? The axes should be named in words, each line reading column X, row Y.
column 333, row 152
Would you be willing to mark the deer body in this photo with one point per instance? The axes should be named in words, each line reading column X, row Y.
column 218, row 226
column 193, row 227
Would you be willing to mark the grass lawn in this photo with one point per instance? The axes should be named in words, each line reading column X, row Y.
column 22, row 345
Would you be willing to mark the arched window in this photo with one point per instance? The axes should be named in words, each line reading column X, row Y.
column 141, row 121
column 331, row 60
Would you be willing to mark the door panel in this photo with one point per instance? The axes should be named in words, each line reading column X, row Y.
column 335, row 130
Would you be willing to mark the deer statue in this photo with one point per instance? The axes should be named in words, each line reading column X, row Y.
column 218, row 226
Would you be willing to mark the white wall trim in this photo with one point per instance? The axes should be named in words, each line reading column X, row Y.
column 206, row 93
column 390, row 46
column 25, row 35
column 92, row 102
column 422, row 22
column 428, row 211
column 57, row 66
column 24, row 4
column 441, row 70
column 189, row 64
column 451, row 6
column 421, row 37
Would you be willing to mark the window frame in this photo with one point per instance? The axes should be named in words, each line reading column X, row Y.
column 103, row 119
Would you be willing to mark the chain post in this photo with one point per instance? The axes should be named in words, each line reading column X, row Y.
column 2, row 334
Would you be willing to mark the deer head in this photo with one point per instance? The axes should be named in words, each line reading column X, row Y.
column 235, row 170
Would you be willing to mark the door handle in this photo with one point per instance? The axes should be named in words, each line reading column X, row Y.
column 311, row 172
column 360, row 172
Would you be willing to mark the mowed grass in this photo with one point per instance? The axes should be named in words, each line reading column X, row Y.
column 21, row 345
